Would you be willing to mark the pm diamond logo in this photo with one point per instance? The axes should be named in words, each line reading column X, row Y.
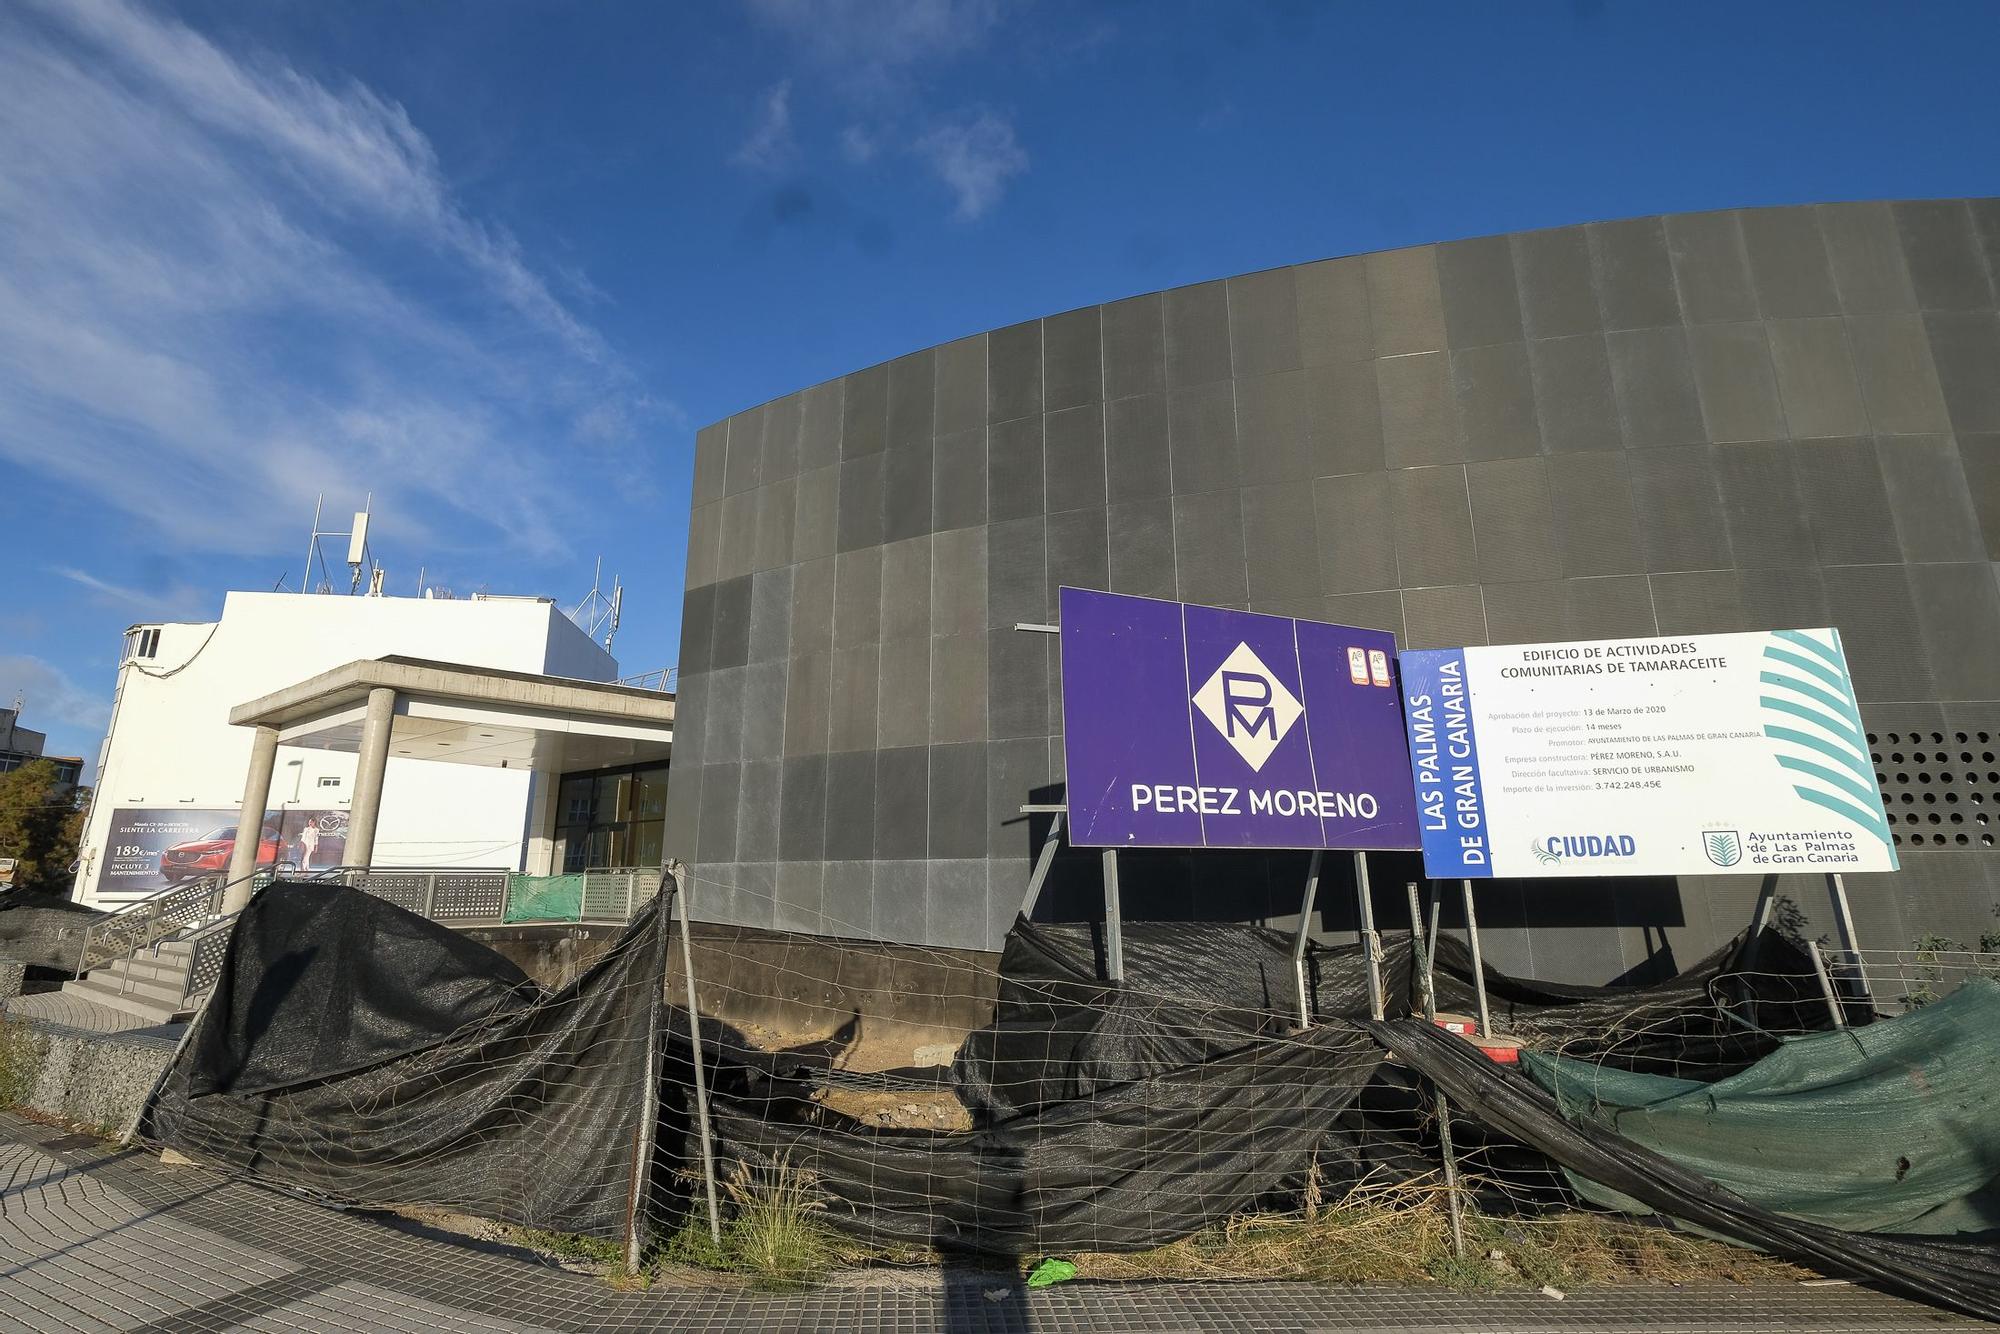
column 1249, row 705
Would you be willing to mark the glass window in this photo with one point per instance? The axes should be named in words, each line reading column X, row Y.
column 613, row 791
column 652, row 799
column 611, row 819
column 647, row 838
column 574, row 805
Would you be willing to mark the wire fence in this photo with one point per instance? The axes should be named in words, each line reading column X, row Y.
column 871, row 1104
column 1899, row 981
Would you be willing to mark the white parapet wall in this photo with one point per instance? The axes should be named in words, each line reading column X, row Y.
column 172, row 768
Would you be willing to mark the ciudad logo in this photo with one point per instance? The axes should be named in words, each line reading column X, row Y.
column 1555, row 849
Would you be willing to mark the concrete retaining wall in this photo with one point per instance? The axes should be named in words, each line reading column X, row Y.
column 93, row 1079
column 903, row 1002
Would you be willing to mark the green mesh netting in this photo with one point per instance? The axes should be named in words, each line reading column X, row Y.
column 1889, row 1128
column 544, row 898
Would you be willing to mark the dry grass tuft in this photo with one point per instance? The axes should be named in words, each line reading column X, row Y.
column 775, row 1234
column 1400, row 1232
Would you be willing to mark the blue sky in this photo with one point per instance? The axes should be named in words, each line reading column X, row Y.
column 496, row 261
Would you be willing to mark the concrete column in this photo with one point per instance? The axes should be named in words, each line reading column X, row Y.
column 250, row 821
column 374, row 763
column 539, row 851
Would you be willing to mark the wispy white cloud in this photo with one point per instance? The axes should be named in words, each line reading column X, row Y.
column 858, row 146
column 975, row 158
column 49, row 696
column 770, row 145
column 176, row 600
column 226, row 286
column 877, row 47
column 885, row 57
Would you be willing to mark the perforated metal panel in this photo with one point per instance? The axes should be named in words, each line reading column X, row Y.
column 1940, row 788
column 405, row 891
column 481, row 897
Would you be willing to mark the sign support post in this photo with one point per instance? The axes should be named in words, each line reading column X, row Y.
column 1833, row 1007
column 1045, row 859
column 1431, row 933
column 1843, row 917
column 1426, row 940
column 1299, row 945
column 1371, row 944
column 1114, row 932
column 1478, row 966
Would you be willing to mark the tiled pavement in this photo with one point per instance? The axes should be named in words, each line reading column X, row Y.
column 92, row 1238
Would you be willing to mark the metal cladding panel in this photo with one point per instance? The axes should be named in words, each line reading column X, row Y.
column 1733, row 420
column 1438, row 617
column 1200, row 727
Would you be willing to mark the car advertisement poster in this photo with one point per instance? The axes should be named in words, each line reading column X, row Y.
column 154, row 848
column 1689, row 755
column 1198, row 727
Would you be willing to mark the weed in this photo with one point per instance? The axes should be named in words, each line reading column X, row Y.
column 1400, row 1232
column 775, row 1234
column 571, row 1247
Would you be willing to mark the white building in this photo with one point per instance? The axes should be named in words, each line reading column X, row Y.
column 170, row 777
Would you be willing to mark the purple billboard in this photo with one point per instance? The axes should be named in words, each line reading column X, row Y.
column 1197, row 727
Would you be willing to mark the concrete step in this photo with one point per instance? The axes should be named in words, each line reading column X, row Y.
column 165, row 990
column 176, row 949
column 152, row 1011
column 145, row 968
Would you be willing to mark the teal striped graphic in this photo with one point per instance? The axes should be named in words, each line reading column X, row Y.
column 1810, row 707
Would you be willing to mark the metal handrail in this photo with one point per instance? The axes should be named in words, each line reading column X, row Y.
column 662, row 679
column 171, row 911
column 192, row 914
column 206, row 947
column 151, row 919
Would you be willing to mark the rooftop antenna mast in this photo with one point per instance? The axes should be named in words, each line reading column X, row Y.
column 360, row 562
column 597, row 611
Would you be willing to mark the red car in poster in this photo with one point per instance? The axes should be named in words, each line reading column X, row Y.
column 209, row 854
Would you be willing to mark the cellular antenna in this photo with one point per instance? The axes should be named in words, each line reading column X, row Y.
column 598, row 611
column 360, row 561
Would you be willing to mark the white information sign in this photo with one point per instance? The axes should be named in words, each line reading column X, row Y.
column 1698, row 754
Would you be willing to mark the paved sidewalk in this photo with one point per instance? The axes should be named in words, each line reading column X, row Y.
column 92, row 1238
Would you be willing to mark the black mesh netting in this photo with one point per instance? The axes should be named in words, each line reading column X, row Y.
column 355, row 1050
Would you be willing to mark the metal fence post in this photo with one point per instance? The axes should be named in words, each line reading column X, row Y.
column 700, row 1076
column 1440, row 1107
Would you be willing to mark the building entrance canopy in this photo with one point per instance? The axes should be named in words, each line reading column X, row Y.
column 472, row 715
column 414, row 708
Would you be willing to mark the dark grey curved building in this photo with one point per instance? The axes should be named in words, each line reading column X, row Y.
column 1700, row 422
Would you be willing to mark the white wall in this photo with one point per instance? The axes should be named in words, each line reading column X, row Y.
column 171, row 744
